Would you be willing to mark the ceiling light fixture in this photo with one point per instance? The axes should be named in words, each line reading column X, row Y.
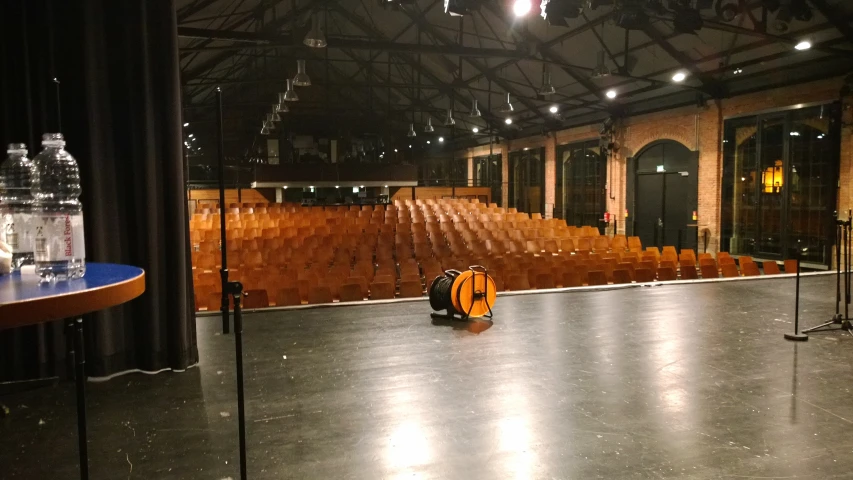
column 428, row 142
column 449, row 120
column 275, row 116
column 475, row 130
column 315, row 38
column 411, row 132
column 679, row 77
column 611, row 94
column 508, row 121
column 600, row 70
column 803, row 45
column 301, row 79
column 521, row 7
column 440, row 139
column 186, row 124
column 554, row 109
column 290, row 95
column 475, row 110
column 547, row 87
column 429, row 128
column 507, row 107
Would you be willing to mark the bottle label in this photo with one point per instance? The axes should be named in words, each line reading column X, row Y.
column 59, row 237
column 16, row 231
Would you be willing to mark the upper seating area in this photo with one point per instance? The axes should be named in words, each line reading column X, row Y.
column 285, row 254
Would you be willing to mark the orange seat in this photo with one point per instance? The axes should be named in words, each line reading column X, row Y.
column 666, row 274
column 256, row 299
column 749, row 269
column 544, row 280
column 644, row 275
column 518, row 282
column 596, row 277
column 319, row 294
column 411, row 289
column 381, row 290
column 621, row 275
column 287, row 297
column 351, row 292
column 688, row 272
column 571, row 278
column 709, row 270
column 790, row 266
column 770, row 268
column 729, row 270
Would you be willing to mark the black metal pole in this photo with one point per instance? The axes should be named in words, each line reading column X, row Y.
column 679, row 240
column 797, row 336
column 837, row 268
column 79, row 358
column 223, row 241
column 236, row 289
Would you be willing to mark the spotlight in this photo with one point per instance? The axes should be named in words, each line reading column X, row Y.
column 191, row 135
column 679, row 77
column 557, row 11
column 727, row 10
column 803, row 45
column 508, row 121
column 521, row 7
column 428, row 142
column 611, row 94
column 475, row 130
column 554, row 109
column 395, row 150
column 440, row 139
column 186, row 124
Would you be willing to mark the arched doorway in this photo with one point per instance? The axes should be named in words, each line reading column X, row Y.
column 663, row 192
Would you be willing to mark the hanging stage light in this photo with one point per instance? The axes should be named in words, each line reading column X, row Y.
column 301, row 79
column 547, row 87
column 507, row 107
column 475, row 110
column 449, row 120
column 600, row 70
column 275, row 116
column 411, row 132
column 458, row 8
column 290, row 95
column 429, row 128
column 557, row 11
column 282, row 105
column 315, row 38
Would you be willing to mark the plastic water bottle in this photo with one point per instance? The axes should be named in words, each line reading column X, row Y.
column 60, row 250
column 16, row 205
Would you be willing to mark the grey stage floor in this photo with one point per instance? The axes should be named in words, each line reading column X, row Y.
column 680, row 381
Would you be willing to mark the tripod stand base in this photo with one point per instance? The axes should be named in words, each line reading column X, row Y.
column 796, row 337
column 837, row 320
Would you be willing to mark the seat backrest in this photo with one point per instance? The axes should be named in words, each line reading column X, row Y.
column 596, row 277
column 544, row 280
column 790, row 266
column 666, row 273
column 725, row 261
column 256, row 299
column 770, row 268
column 518, row 282
column 749, row 269
column 411, row 289
column 730, row 270
column 644, row 275
column 621, row 275
column 287, row 297
column 744, row 259
column 709, row 271
column 688, row 272
column 571, row 278
column 381, row 290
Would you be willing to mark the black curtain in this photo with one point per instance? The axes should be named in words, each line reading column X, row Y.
column 105, row 73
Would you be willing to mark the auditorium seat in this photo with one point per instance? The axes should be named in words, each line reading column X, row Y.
column 381, row 290
column 709, row 270
column 518, row 282
column 596, row 277
column 571, row 279
column 319, row 294
column 790, row 266
column 770, row 267
column 729, row 270
column 688, row 272
column 287, row 297
column 411, row 289
column 621, row 275
column 644, row 275
column 666, row 273
column 749, row 269
column 544, row 281
column 256, row 299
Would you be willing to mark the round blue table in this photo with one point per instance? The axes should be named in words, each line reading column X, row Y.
column 26, row 301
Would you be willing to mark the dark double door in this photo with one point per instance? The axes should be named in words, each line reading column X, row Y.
column 665, row 196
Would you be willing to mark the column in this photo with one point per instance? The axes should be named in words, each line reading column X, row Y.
column 550, row 179
column 505, row 175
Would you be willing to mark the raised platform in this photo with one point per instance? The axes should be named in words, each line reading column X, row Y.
column 673, row 381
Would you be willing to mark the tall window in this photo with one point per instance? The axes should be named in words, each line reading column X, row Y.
column 779, row 184
column 488, row 173
column 526, row 170
column 580, row 192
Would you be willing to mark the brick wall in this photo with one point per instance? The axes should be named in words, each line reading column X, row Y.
column 699, row 129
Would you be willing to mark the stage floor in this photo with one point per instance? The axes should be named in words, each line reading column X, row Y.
column 678, row 381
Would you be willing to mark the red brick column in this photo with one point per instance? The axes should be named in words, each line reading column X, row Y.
column 550, row 176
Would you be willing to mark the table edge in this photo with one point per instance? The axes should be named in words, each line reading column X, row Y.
column 70, row 304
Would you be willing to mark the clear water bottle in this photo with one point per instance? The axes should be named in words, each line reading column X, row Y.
column 60, row 250
column 16, row 205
